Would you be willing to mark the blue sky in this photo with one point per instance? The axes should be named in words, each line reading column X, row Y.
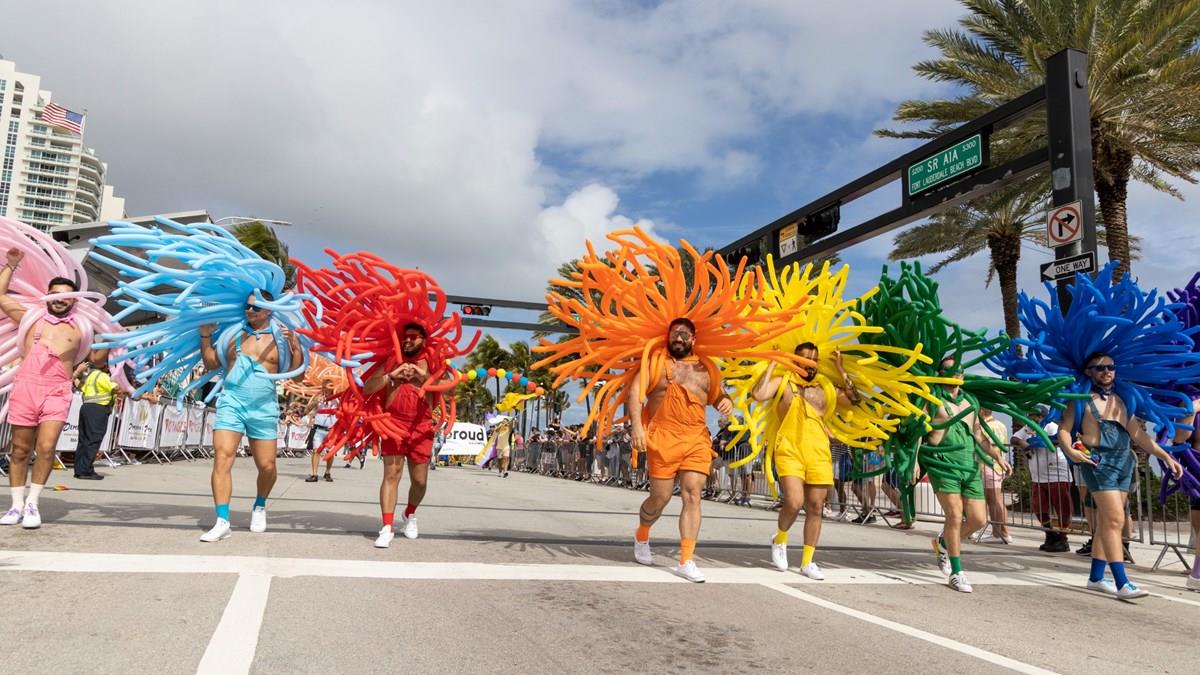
column 485, row 142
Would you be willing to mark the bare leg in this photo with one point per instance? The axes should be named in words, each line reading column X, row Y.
column 690, row 483
column 225, row 444
column 952, row 507
column 793, row 499
column 316, row 457
column 47, row 440
column 418, row 481
column 976, row 518
column 814, row 500
column 997, row 512
column 660, row 494
column 393, row 470
column 1110, row 519
column 264, row 458
column 22, row 448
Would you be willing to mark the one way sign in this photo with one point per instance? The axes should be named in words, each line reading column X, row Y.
column 1067, row 267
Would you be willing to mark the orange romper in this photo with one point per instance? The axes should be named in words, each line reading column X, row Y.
column 677, row 436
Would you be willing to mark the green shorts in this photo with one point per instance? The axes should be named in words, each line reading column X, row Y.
column 969, row 488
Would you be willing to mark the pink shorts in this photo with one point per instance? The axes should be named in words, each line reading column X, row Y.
column 34, row 401
column 991, row 479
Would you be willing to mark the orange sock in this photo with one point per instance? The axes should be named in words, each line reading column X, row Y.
column 643, row 534
column 686, row 548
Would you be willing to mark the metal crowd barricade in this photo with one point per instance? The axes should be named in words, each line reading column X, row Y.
column 1168, row 524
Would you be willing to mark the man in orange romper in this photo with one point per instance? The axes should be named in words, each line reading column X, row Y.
column 675, row 438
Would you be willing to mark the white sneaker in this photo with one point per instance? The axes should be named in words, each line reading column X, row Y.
column 689, row 571
column 779, row 556
column 1193, row 583
column 942, row 558
column 32, row 519
column 218, row 532
column 258, row 519
column 641, row 552
column 386, row 535
column 843, row 516
column 959, row 583
column 12, row 517
column 826, row 512
column 812, row 571
column 1105, row 586
column 410, row 527
column 993, row 539
column 1126, row 592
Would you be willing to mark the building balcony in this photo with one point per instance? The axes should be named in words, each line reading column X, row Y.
column 86, row 169
column 90, row 213
column 44, row 171
column 87, row 197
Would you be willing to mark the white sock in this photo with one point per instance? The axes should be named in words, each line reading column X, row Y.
column 34, row 491
column 18, row 497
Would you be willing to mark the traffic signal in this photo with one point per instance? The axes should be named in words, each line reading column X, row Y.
column 476, row 310
column 821, row 223
column 749, row 251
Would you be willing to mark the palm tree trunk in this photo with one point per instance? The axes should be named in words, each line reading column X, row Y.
column 1111, row 173
column 1006, row 253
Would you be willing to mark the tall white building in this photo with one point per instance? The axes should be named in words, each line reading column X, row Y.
column 48, row 177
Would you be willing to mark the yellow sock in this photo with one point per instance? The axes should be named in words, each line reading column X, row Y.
column 807, row 557
column 686, row 548
column 780, row 537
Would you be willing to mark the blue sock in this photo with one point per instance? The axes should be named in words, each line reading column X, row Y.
column 1118, row 570
column 223, row 511
column 260, row 501
column 1097, row 569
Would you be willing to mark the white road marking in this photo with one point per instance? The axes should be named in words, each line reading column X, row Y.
column 232, row 647
column 62, row 561
column 960, row 647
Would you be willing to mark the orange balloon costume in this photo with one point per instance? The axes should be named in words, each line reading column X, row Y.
column 366, row 303
column 623, row 303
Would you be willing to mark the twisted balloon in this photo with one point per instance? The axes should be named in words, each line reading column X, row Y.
column 625, row 302
column 190, row 276
column 366, row 303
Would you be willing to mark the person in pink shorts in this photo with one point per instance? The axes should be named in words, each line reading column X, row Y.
column 41, row 394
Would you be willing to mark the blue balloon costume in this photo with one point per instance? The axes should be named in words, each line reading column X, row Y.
column 191, row 276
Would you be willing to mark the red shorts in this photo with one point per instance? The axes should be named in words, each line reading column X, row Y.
column 37, row 400
column 416, row 448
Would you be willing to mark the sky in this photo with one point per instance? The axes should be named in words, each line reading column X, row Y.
column 485, row 142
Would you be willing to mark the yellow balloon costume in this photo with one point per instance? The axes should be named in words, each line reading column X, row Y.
column 886, row 392
column 625, row 302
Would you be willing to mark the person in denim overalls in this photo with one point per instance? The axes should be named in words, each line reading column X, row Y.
column 1106, row 461
column 247, row 406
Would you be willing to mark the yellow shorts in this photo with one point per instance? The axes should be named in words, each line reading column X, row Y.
column 810, row 462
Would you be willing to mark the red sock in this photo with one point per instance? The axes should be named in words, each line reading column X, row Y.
column 388, row 519
column 410, row 509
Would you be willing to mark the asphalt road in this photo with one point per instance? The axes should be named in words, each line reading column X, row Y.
column 533, row 574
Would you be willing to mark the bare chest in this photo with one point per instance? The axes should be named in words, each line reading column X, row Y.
column 62, row 339
column 689, row 375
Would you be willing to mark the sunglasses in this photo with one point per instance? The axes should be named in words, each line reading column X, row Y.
column 255, row 308
column 1104, row 368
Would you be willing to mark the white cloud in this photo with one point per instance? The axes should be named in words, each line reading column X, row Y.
column 588, row 214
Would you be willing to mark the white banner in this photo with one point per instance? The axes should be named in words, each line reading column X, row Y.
column 68, row 440
column 174, row 427
column 297, row 436
column 195, row 422
column 138, row 425
column 464, row 439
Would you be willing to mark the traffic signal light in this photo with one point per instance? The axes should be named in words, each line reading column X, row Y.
column 476, row 310
column 749, row 251
column 821, row 223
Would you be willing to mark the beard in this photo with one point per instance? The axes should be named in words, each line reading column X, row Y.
column 679, row 350
column 807, row 374
column 59, row 313
column 410, row 352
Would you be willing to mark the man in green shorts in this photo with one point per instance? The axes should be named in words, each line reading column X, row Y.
column 948, row 456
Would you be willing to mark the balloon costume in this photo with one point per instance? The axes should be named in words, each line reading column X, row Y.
column 366, row 303
column 630, row 296
column 513, row 401
column 192, row 275
column 1186, row 302
column 910, row 311
column 43, row 260
column 1154, row 343
column 889, row 388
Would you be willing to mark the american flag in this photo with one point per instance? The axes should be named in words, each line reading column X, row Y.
column 61, row 117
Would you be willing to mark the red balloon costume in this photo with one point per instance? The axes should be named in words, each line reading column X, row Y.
column 365, row 303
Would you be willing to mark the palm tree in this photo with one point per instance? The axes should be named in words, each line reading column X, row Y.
column 261, row 239
column 1144, row 79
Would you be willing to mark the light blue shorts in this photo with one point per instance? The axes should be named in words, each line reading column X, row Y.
column 257, row 420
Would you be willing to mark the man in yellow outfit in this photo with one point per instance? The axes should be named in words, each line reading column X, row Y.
column 803, row 460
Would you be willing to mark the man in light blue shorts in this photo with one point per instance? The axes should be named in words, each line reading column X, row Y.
column 248, row 406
